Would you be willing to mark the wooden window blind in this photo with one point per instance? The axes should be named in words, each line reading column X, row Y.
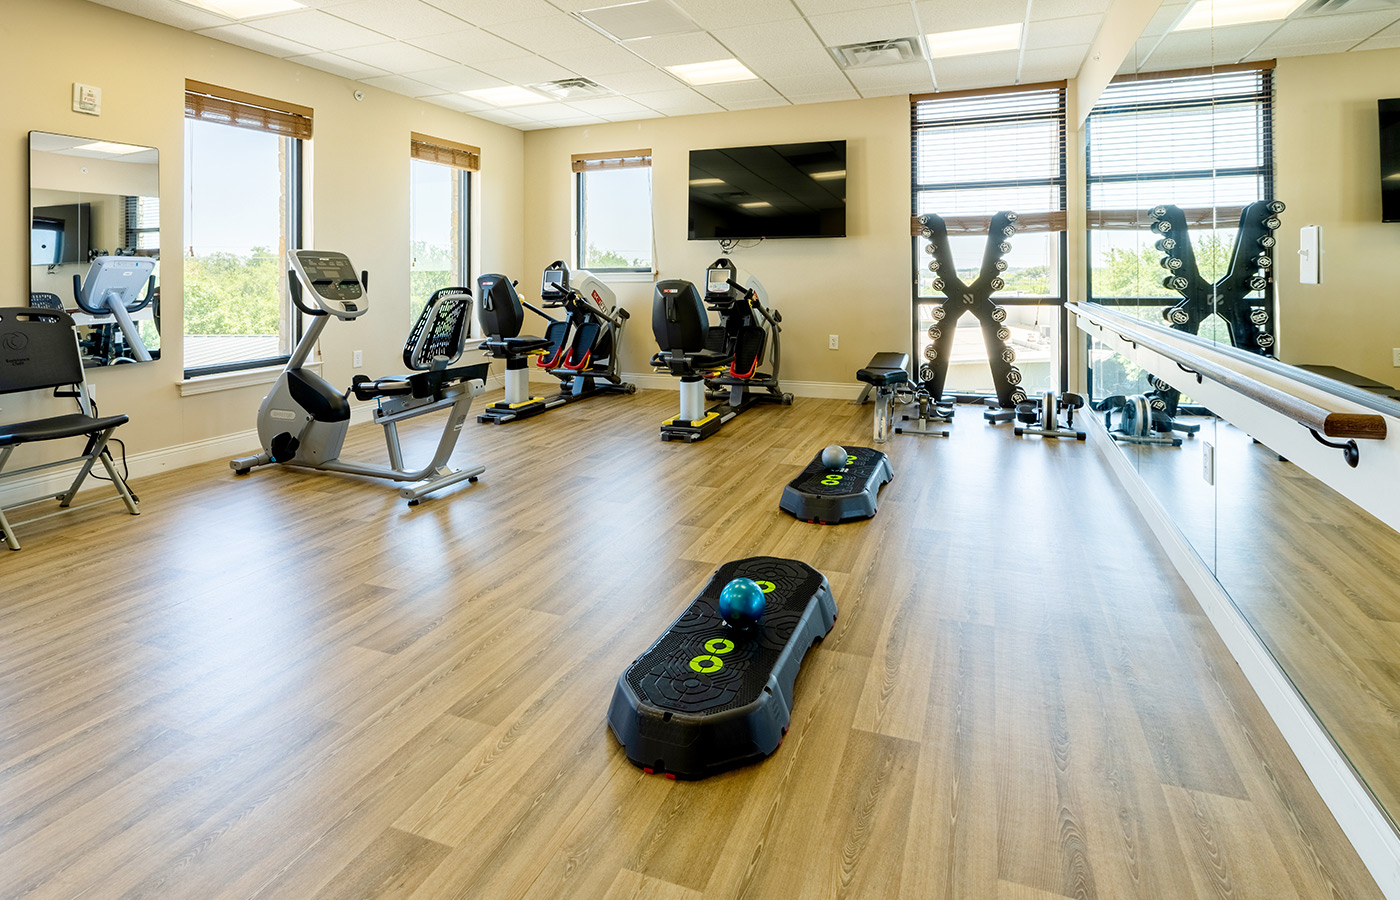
column 621, row 159
column 225, row 106
column 445, row 152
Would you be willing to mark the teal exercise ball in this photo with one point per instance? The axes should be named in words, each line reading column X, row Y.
column 742, row 602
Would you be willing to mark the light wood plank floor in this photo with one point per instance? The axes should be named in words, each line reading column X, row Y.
column 293, row 686
column 1316, row 576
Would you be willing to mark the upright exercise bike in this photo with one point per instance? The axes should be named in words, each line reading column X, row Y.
column 581, row 349
column 303, row 420
column 716, row 362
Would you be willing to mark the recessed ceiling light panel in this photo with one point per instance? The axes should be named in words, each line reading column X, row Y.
column 510, row 95
column 639, row 19
column 246, row 9
column 1211, row 13
column 870, row 54
column 719, row 71
column 110, row 148
column 968, row 41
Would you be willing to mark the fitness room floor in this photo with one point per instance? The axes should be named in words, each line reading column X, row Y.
column 291, row 685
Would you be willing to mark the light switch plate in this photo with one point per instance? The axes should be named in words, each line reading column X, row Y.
column 1208, row 462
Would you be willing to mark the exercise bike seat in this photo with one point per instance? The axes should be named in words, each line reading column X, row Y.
column 419, row 385
column 885, row 369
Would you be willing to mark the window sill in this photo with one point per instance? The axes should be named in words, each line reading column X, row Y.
column 227, row 381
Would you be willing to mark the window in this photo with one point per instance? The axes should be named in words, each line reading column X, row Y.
column 976, row 153
column 242, row 212
column 1197, row 140
column 142, row 223
column 439, row 217
column 614, row 211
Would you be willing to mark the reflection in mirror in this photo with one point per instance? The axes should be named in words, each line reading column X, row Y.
column 94, row 246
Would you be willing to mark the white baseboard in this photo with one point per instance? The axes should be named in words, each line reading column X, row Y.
column 1355, row 810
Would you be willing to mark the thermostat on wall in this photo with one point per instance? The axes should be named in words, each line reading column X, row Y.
column 87, row 99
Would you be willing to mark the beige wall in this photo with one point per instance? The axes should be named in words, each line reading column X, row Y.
column 1325, row 142
column 857, row 286
column 358, row 198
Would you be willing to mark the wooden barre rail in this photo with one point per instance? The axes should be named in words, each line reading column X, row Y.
column 1344, row 425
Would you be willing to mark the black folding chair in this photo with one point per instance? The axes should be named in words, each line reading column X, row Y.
column 39, row 351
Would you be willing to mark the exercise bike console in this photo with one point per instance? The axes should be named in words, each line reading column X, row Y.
column 331, row 280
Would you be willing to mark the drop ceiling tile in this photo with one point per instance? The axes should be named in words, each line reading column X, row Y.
column 714, row 14
column 1059, row 9
column 458, row 102
column 260, row 41
column 458, row 78
column 552, row 34
column 471, row 46
column 737, row 91
column 639, row 81
column 876, row 24
column 891, row 90
column 398, row 18
column 395, row 57
column 1392, row 31
column 1319, row 29
column 494, row 12
column 318, row 29
column 822, row 7
column 532, row 126
column 1050, row 64
column 1379, row 42
column 792, row 65
column 604, row 60
column 939, row 15
column 1270, row 49
column 607, row 106
column 628, row 117
column 733, row 105
column 915, row 73
column 1165, row 17
column 677, row 102
column 982, row 70
column 1201, row 48
column 503, row 117
column 401, row 85
column 774, row 37
column 546, row 112
column 337, row 65
column 825, row 96
column 524, row 70
column 566, row 120
column 678, row 49
column 1062, row 32
column 811, row 84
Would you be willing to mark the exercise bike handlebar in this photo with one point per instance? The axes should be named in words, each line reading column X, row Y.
column 295, row 289
column 140, row 304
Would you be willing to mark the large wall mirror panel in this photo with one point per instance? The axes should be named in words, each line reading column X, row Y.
column 94, row 246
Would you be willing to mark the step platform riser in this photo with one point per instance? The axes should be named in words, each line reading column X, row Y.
column 832, row 496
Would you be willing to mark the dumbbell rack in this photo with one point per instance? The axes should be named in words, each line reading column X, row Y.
column 974, row 298
column 1246, row 317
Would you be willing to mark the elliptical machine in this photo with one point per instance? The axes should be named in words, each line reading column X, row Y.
column 303, row 420
column 716, row 361
column 580, row 349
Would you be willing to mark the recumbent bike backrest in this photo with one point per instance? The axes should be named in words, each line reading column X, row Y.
column 440, row 332
column 678, row 317
column 502, row 315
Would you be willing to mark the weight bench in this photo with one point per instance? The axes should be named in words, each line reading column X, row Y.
column 39, row 351
column 881, row 374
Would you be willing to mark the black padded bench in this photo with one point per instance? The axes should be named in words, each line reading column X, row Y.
column 884, row 370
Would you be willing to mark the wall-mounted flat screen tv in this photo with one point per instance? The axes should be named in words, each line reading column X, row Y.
column 1390, row 160
column 60, row 234
column 772, row 191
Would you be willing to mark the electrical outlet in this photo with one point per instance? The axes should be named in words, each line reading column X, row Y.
column 1208, row 462
column 1395, row 356
column 833, row 342
column 359, row 358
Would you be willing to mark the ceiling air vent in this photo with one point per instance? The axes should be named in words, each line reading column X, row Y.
column 573, row 89
column 1328, row 7
column 876, row 53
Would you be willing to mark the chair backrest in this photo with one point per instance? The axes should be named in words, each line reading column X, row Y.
column 37, row 350
column 501, row 313
column 440, row 332
column 678, row 317
column 45, row 299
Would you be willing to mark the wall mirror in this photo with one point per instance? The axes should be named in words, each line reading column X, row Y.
column 94, row 242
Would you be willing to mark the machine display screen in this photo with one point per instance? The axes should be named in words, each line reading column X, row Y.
column 554, row 277
column 717, row 281
column 327, row 270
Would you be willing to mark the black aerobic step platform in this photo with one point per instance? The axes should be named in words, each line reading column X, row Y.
column 706, row 697
column 830, row 496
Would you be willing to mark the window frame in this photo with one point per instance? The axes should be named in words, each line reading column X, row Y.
column 606, row 162
column 1262, row 98
column 1061, row 182
column 293, row 219
column 463, row 202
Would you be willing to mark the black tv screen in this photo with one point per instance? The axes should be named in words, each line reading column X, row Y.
column 60, row 234
column 1390, row 160
column 772, row 191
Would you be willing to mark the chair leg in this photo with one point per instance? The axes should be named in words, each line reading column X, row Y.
column 9, row 531
column 119, row 483
column 99, row 451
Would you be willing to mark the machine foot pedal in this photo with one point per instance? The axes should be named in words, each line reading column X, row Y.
column 706, row 696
